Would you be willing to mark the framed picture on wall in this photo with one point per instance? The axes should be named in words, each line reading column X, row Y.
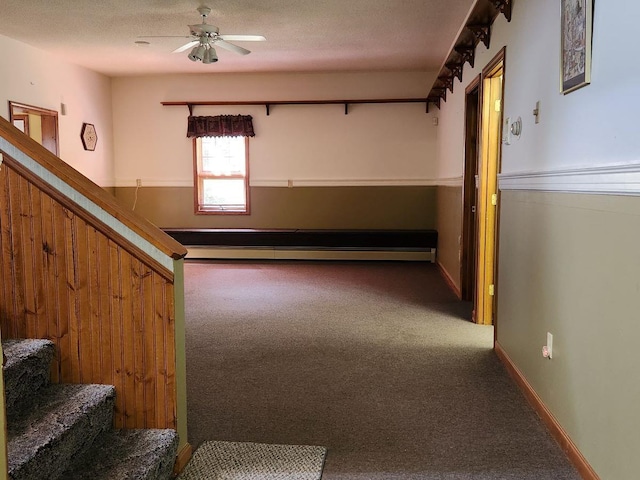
column 575, row 65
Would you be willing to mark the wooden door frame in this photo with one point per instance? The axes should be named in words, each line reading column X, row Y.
column 488, row 233
column 52, row 142
column 469, row 193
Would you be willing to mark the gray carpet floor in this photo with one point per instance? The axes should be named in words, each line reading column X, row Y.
column 375, row 361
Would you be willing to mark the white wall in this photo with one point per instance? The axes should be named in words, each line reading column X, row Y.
column 593, row 126
column 311, row 145
column 565, row 262
column 31, row 76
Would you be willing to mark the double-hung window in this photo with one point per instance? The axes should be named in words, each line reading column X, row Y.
column 222, row 175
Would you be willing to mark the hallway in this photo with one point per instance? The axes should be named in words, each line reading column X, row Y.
column 375, row 361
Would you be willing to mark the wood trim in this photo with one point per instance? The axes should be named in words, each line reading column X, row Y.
column 49, row 123
column 24, row 118
column 87, row 217
column 247, row 186
column 90, row 190
column 109, row 313
column 30, row 109
column 491, row 92
column 497, row 63
column 475, row 28
column 295, row 102
column 475, row 83
column 183, row 457
column 469, row 220
column 447, row 278
column 559, row 434
column 197, row 182
column 196, row 177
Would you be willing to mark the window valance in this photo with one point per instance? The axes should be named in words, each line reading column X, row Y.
column 220, row 126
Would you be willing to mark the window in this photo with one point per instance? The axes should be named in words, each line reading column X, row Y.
column 222, row 175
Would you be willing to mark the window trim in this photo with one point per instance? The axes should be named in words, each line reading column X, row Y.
column 197, row 185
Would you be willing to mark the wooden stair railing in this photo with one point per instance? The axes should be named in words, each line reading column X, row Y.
column 103, row 283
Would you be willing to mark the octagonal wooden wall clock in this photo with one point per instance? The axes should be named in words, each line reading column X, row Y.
column 89, row 136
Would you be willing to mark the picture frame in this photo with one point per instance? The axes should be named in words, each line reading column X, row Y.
column 576, row 37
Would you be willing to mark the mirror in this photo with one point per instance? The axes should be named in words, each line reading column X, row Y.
column 39, row 123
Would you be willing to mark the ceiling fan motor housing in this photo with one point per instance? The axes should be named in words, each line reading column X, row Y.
column 204, row 29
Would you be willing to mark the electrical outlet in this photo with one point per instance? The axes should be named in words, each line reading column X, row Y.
column 138, row 182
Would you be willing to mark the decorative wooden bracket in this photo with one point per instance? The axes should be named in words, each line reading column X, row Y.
column 504, row 7
column 447, row 81
column 477, row 29
column 482, row 32
column 435, row 101
column 468, row 54
column 456, row 69
column 441, row 92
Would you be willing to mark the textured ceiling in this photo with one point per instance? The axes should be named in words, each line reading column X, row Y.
column 302, row 35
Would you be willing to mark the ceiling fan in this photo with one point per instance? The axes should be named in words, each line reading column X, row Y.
column 205, row 36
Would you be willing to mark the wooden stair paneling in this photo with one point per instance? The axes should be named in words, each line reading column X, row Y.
column 109, row 312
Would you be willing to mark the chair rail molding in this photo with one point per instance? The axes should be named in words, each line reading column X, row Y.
column 450, row 182
column 622, row 179
column 345, row 182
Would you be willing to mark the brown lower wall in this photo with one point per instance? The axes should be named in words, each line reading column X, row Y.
column 449, row 226
column 366, row 207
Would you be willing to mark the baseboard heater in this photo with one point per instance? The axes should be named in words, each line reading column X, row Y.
column 298, row 244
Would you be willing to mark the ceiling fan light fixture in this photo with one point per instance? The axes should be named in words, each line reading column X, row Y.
column 204, row 35
column 193, row 54
column 210, row 56
column 200, row 52
column 197, row 54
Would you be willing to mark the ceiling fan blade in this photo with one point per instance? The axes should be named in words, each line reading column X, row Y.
column 231, row 47
column 186, row 46
column 164, row 36
column 243, row 38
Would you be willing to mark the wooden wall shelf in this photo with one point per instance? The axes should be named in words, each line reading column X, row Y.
column 268, row 104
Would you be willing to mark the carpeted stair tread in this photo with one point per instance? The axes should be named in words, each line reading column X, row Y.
column 63, row 423
column 26, row 370
column 128, row 454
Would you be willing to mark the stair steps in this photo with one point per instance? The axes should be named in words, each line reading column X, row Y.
column 128, row 455
column 65, row 431
column 26, row 370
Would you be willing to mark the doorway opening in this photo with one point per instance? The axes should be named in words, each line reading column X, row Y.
column 490, row 96
column 38, row 123
column 470, row 191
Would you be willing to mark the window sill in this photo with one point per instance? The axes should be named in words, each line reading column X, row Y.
column 212, row 211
